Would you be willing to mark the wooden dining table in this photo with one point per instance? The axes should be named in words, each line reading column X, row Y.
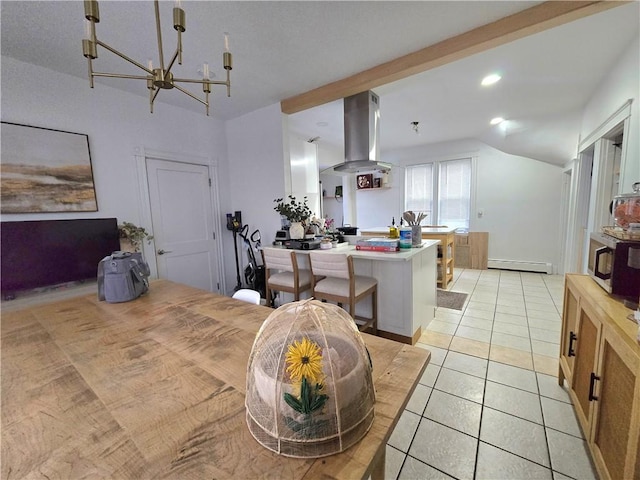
column 155, row 388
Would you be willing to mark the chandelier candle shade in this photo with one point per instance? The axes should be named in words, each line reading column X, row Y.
column 156, row 78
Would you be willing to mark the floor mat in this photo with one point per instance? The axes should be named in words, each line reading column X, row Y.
column 454, row 300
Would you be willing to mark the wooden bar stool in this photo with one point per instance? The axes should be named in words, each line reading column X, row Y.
column 341, row 285
column 282, row 273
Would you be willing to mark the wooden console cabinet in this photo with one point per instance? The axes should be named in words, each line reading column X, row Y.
column 472, row 250
column 600, row 359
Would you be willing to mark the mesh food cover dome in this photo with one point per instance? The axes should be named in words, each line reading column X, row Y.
column 309, row 384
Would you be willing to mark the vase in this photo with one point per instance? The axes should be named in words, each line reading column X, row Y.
column 296, row 231
column 127, row 246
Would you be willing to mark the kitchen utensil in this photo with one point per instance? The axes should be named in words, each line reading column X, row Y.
column 412, row 219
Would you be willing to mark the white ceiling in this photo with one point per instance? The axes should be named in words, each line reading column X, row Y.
column 282, row 49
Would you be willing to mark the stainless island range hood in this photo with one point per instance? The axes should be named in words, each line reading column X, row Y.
column 361, row 135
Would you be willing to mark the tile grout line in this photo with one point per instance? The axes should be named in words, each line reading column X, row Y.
column 486, row 379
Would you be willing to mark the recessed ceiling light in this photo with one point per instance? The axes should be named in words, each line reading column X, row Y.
column 490, row 79
column 496, row 121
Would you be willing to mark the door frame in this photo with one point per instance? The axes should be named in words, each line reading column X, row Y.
column 141, row 155
column 566, row 208
column 585, row 195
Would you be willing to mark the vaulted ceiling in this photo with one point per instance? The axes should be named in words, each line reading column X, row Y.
column 283, row 49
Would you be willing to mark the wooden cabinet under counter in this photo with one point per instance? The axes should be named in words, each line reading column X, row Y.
column 600, row 359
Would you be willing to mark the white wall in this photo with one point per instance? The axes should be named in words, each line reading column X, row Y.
column 329, row 155
column 622, row 84
column 116, row 123
column 377, row 207
column 521, row 198
column 257, row 146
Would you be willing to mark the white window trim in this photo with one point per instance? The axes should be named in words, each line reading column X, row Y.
column 436, row 172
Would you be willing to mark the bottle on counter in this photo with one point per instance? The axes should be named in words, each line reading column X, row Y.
column 393, row 230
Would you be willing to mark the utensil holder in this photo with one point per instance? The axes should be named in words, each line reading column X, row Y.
column 416, row 235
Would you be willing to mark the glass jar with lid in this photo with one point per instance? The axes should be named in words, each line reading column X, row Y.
column 625, row 208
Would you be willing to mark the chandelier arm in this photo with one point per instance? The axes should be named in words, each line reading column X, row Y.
column 173, row 59
column 119, row 75
column 201, row 82
column 178, row 87
column 159, row 33
column 123, row 56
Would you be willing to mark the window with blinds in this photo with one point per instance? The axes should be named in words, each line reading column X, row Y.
column 442, row 189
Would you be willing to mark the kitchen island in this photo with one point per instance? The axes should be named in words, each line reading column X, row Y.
column 446, row 249
column 406, row 287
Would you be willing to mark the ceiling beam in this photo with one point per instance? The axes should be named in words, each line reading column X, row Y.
column 519, row 25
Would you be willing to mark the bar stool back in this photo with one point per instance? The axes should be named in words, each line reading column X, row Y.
column 282, row 273
column 341, row 285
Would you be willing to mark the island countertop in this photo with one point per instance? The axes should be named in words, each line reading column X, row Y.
column 446, row 254
column 399, row 256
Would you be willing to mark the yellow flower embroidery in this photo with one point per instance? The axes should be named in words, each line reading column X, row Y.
column 304, row 359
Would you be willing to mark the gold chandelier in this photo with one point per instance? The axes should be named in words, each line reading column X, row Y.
column 157, row 78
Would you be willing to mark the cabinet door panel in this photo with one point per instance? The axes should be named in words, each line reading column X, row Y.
column 636, row 475
column 613, row 417
column 570, row 317
column 584, row 366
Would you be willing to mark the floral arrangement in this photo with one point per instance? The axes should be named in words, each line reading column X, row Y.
column 304, row 366
column 293, row 210
column 329, row 224
column 134, row 234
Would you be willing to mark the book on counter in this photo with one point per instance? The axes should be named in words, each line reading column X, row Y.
column 376, row 244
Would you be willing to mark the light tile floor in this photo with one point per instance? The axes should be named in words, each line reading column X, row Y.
column 489, row 405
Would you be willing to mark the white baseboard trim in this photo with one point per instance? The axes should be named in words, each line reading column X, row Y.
column 539, row 267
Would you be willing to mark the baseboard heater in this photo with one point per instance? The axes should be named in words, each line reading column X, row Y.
column 539, row 267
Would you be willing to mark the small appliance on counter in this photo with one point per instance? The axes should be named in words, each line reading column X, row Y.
column 614, row 264
column 303, row 244
column 281, row 237
column 348, row 230
column 614, row 254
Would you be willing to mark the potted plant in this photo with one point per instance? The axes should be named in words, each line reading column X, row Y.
column 132, row 234
column 295, row 212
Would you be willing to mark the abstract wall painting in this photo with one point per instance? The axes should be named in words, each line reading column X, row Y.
column 45, row 170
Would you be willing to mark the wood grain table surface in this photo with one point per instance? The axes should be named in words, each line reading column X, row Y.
column 155, row 388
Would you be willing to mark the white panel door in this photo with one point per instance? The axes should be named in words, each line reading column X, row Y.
column 182, row 217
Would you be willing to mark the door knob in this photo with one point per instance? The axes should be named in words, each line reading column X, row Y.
column 162, row 252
